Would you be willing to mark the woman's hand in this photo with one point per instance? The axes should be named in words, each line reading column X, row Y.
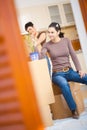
column 81, row 73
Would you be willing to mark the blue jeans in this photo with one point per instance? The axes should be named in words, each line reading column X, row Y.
column 49, row 66
column 62, row 79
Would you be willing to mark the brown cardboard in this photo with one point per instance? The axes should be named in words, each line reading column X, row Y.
column 56, row 89
column 77, row 95
column 73, row 86
column 43, row 89
column 84, row 94
column 79, row 100
column 60, row 108
column 42, row 82
column 46, row 115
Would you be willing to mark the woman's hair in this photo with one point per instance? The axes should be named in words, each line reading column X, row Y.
column 28, row 25
column 57, row 28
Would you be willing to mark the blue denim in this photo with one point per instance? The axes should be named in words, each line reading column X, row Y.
column 49, row 65
column 62, row 79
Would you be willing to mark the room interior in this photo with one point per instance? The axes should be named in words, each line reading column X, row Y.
column 29, row 113
column 69, row 29
column 26, row 9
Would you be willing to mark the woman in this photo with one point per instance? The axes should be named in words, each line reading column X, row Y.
column 37, row 38
column 59, row 49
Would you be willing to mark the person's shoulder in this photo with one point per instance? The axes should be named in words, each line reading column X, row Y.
column 47, row 43
column 67, row 40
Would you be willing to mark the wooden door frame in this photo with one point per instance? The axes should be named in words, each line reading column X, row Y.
column 83, row 6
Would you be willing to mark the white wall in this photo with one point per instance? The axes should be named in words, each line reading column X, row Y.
column 35, row 11
column 39, row 15
column 27, row 3
column 80, row 27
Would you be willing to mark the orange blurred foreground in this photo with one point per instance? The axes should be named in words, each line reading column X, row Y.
column 18, row 106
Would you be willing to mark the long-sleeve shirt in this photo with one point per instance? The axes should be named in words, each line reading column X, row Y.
column 60, row 53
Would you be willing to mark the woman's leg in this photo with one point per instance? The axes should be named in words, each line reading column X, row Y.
column 75, row 77
column 64, row 86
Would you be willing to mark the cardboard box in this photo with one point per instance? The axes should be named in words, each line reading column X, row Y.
column 56, row 89
column 79, row 100
column 77, row 95
column 84, row 94
column 43, row 89
column 60, row 108
column 73, row 86
column 41, row 80
column 46, row 115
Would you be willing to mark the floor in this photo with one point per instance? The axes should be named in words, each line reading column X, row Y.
column 71, row 124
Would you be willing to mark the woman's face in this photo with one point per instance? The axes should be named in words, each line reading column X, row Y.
column 52, row 33
column 31, row 30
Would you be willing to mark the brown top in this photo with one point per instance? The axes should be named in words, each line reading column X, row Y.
column 60, row 53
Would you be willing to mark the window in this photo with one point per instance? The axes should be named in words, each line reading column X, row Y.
column 54, row 13
column 61, row 13
column 68, row 12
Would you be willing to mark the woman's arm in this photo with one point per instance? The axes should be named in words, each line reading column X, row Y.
column 74, row 56
column 75, row 60
column 41, row 38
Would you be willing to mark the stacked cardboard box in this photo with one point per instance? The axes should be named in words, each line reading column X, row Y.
column 43, row 89
column 60, row 108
